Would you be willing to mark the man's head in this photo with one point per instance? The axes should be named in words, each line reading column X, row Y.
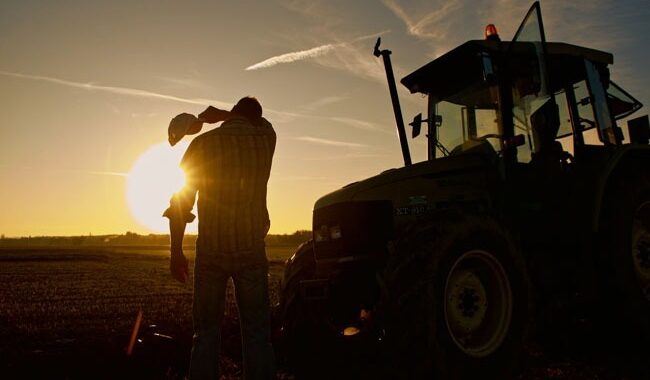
column 249, row 108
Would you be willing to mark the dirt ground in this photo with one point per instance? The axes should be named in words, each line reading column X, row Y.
column 68, row 314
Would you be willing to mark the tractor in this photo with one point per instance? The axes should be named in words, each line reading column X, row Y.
column 531, row 204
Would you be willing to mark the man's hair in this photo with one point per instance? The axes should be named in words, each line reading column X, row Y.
column 248, row 107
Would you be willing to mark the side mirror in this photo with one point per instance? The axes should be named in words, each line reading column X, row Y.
column 417, row 125
column 639, row 129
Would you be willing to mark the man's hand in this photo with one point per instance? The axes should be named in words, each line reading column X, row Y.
column 178, row 266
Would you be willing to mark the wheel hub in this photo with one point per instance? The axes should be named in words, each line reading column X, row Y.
column 468, row 302
column 478, row 303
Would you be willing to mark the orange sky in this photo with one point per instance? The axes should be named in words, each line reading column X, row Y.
column 86, row 88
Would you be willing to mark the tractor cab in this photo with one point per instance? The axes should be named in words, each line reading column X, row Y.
column 527, row 100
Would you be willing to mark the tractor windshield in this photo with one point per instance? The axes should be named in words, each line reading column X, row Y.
column 470, row 116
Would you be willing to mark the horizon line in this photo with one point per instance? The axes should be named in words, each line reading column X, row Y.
column 5, row 237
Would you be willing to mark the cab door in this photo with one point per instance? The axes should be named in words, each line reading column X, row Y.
column 539, row 181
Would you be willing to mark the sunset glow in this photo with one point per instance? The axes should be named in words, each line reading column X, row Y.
column 87, row 87
column 152, row 180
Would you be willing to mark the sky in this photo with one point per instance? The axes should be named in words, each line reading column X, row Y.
column 87, row 86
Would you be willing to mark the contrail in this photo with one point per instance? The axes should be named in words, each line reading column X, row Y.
column 68, row 170
column 292, row 57
column 280, row 116
column 305, row 54
column 116, row 90
column 426, row 25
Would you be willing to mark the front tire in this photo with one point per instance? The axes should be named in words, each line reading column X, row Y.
column 305, row 346
column 457, row 300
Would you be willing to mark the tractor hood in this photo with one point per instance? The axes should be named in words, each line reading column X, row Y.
column 444, row 167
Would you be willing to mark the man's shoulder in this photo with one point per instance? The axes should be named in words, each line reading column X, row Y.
column 242, row 126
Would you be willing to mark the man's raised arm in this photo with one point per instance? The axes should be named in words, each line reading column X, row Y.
column 213, row 115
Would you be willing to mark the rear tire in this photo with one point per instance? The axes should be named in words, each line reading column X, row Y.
column 457, row 300
column 626, row 269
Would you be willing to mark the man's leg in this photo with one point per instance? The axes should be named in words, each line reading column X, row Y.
column 207, row 312
column 252, row 292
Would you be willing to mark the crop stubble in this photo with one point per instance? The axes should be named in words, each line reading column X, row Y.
column 52, row 299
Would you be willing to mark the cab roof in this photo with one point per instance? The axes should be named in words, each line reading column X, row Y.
column 462, row 65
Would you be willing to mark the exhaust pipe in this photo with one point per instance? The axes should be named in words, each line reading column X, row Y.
column 385, row 54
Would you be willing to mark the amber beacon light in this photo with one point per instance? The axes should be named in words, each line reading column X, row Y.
column 491, row 33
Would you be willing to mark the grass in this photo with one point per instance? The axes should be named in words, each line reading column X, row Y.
column 58, row 303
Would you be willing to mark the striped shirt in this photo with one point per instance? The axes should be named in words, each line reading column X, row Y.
column 229, row 167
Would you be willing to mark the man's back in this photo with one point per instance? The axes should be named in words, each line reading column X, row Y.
column 230, row 167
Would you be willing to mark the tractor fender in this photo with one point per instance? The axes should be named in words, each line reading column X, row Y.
column 626, row 160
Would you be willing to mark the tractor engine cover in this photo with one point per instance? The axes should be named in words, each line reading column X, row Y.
column 352, row 231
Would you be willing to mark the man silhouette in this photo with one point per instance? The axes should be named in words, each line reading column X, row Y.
column 229, row 168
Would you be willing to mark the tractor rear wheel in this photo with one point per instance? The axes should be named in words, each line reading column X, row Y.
column 626, row 269
column 457, row 300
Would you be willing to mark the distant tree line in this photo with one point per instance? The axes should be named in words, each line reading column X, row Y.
column 133, row 239
column 295, row 238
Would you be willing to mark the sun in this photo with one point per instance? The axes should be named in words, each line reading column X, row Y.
column 153, row 179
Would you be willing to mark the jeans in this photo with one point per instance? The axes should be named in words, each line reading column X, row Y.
column 251, row 291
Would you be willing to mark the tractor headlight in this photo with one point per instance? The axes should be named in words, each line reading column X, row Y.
column 321, row 234
column 335, row 232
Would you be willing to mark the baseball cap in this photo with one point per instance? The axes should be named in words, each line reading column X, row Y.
column 181, row 125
